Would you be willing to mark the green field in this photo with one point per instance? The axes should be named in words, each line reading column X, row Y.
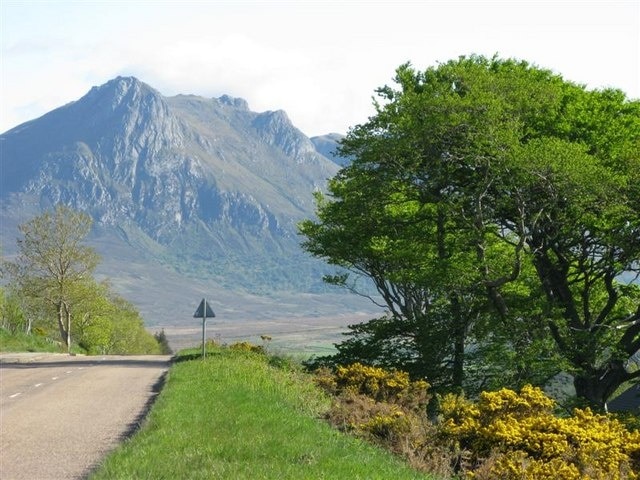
column 239, row 415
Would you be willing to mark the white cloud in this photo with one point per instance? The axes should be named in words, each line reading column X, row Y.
column 319, row 61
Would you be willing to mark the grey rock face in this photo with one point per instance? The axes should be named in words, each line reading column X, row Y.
column 327, row 145
column 195, row 178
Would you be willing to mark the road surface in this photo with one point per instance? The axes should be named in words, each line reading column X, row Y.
column 60, row 415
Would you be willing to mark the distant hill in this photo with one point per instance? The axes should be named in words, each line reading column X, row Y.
column 190, row 196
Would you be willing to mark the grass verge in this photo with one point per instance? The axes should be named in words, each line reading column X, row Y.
column 21, row 342
column 237, row 416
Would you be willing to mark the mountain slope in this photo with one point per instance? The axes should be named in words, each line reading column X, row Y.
column 205, row 189
column 327, row 145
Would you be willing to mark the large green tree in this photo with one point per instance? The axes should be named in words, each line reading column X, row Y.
column 498, row 201
column 53, row 264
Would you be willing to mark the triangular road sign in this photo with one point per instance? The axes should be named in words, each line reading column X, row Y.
column 200, row 312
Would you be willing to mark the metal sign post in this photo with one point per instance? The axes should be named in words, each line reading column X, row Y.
column 204, row 336
column 204, row 311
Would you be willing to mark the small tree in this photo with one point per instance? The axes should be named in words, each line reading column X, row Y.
column 52, row 262
column 163, row 342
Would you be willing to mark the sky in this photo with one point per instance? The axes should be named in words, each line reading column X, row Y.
column 320, row 61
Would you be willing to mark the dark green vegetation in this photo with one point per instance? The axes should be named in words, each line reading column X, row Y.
column 495, row 207
column 52, row 278
column 243, row 415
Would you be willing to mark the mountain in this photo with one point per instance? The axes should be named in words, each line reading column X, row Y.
column 327, row 145
column 190, row 196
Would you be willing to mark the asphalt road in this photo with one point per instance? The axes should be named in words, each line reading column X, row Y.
column 60, row 415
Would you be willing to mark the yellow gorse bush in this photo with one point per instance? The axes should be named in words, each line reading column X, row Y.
column 385, row 407
column 387, row 425
column 373, row 382
column 504, row 435
column 382, row 385
column 531, row 442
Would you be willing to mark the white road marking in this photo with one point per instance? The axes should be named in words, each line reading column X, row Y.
column 15, row 395
column 54, row 378
column 68, row 372
column 38, row 385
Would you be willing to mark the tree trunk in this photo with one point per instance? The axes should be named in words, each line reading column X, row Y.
column 598, row 385
column 68, row 315
column 64, row 314
column 458, row 362
column 459, row 340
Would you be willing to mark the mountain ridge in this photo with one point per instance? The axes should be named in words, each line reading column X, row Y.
column 202, row 187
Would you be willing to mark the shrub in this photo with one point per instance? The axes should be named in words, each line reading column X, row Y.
column 246, row 347
column 163, row 342
column 631, row 420
column 503, row 435
column 524, row 440
column 39, row 331
column 384, row 407
column 376, row 383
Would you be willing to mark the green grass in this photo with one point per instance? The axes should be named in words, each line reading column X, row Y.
column 21, row 342
column 236, row 416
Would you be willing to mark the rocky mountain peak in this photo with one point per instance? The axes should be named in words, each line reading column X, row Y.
column 122, row 98
column 190, row 179
column 239, row 103
column 276, row 129
column 121, row 90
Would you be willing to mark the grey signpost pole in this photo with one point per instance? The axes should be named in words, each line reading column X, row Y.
column 204, row 311
column 204, row 328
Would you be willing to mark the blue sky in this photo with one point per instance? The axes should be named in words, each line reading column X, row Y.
column 320, row 61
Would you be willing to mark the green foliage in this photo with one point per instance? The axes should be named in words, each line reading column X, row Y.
column 52, row 262
column 53, row 277
column 395, row 343
column 107, row 325
column 492, row 200
column 129, row 335
column 12, row 315
column 97, row 335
